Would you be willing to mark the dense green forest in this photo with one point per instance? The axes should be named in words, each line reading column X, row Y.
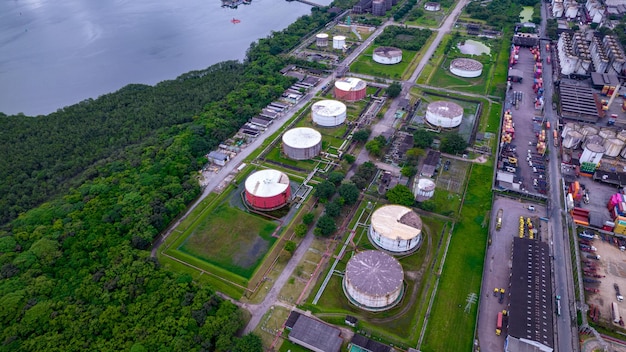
column 112, row 173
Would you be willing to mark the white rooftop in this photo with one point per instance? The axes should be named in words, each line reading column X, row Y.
column 396, row 222
column 350, row 83
column 267, row 183
column 329, row 107
column 302, row 137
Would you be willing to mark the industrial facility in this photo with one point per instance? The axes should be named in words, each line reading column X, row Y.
column 302, row 143
column 373, row 281
column 423, row 189
column 396, row 229
column 328, row 113
column 464, row 67
column 444, row 114
column 387, row 55
column 267, row 190
column 350, row 89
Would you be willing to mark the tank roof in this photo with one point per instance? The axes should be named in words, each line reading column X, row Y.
column 388, row 51
column 596, row 148
column 339, row 37
column 302, row 137
column 267, row 183
column 426, row 184
column 322, row 35
column 463, row 63
column 329, row 107
column 396, row 222
column 350, row 83
column 445, row 108
column 374, row 272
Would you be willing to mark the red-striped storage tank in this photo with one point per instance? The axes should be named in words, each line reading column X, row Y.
column 350, row 89
column 267, row 189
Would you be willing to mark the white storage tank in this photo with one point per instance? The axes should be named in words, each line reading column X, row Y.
column 607, row 133
column 395, row 228
column 464, row 67
column 572, row 139
column 267, row 190
column 444, row 114
column 328, row 113
column 432, row 6
column 622, row 136
column 592, row 153
column 588, row 131
column 350, row 89
column 339, row 41
column 613, row 146
column 387, row 55
column 373, row 280
column 425, row 189
column 302, row 143
column 594, row 139
column 623, row 153
column 570, row 126
column 321, row 40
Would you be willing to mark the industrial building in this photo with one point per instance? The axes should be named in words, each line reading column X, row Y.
column 360, row 343
column 574, row 54
column 526, row 35
column 218, row 158
column 444, row 114
column 531, row 311
column 464, row 67
column 302, row 143
column 430, row 163
column 373, row 281
column 328, row 113
column 396, row 229
column 350, row 89
column 387, row 55
column 312, row 333
column 267, row 190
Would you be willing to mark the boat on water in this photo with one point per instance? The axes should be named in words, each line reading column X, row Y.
column 233, row 4
column 235, row 21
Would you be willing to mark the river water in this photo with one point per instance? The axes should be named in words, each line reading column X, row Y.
column 57, row 53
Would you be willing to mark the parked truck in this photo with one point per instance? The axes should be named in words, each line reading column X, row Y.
column 615, row 313
column 499, row 220
column 499, row 324
column 618, row 295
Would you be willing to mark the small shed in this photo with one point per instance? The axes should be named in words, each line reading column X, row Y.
column 351, row 321
column 218, row 158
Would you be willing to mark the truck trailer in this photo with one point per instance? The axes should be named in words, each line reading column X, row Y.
column 499, row 324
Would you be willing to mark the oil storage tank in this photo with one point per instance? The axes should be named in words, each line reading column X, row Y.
column 395, row 228
column 321, row 39
column 607, row 133
column 302, row 143
column 464, row 67
column 339, row 41
column 593, row 139
column 387, row 55
column 424, row 190
column 572, row 139
column 267, row 190
column 613, row 146
column 621, row 135
column 592, row 153
column 328, row 113
column 373, row 281
column 444, row 114
column 350, row 89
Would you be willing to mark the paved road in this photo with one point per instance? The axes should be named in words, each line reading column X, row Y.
column 563, row 283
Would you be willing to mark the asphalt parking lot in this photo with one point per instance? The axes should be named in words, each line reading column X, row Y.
column 496, row 273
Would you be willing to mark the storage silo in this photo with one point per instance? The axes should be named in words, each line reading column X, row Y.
column 623, row 153
column 613, row 146
column 395, row 228
column 622, row 136
column 570, row 126
column 350, row 89
column 593, row 139
column 444, row 114
column 373, row 281
column 588, row 131
column 267, row 190
column 378, row 8
column 321, row 40
column 302, row 143
column 425, row 189
column 328, row 113
column 339, row 41
column 607, row 133
column 572, row 139
column 387, row 55
column 592, row 153
column 432, row 6
column 464, row 67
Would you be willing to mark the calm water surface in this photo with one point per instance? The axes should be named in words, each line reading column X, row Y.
column 57, row 53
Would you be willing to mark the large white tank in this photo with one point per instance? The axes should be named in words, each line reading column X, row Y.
column 387, row 55
column 613, row 146
column 623, row 153
column 321, row 39
column 464, row 67
column 570, row 126
column 607, row 133
column 588, row 131
column 328, row 113
column 302, row 143
column 593, row 139
column 339, row 41
column 373, row 280
column 592, row 154
column 267, row 189
column 572, row 139
column 444, row 114
column 622, row 136
column 395, row 228
column 432, row 6
column 425, row 189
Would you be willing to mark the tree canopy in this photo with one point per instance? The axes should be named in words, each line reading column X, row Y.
column 453, row 143
column 400, row 194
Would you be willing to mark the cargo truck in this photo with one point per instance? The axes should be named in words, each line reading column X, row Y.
column 615, row 313
column 499, row 220
column 499, row 324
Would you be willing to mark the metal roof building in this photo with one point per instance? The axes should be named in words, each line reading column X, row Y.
column 531, row 311
column 360, row 343
column 313, row 334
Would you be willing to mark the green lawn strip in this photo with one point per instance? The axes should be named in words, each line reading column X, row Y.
column 446, row 202
column 462, row 271
column 445, row 79
column 434, row 61
column 501, row 70
column 365, row 64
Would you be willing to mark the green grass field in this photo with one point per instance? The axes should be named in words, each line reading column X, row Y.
column 366, row 65
column 462, row 271
column 444, row 79
column 248, row 238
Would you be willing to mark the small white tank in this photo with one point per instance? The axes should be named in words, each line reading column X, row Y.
column 607, row 133
column 613, row 146
column 339, row 41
